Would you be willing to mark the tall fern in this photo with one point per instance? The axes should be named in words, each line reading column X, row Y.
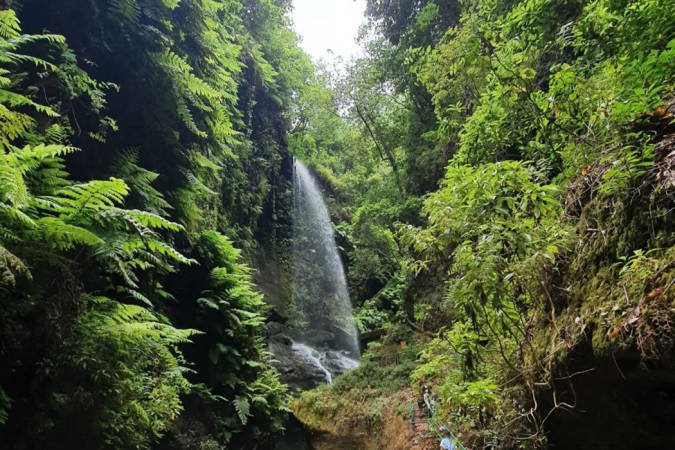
column 119, row 354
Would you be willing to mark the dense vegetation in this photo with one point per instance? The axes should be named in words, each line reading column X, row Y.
column 507, row 191
column 501, row 175
column 136, row 136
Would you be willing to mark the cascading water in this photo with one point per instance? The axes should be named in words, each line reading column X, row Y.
column 313, row 356
column 323, row 317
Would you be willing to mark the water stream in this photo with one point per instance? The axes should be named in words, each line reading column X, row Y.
column 323, row 324
column 313, row 356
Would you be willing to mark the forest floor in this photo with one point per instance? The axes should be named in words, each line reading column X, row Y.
column 394, row 431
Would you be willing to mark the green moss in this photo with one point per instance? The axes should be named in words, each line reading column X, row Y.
column 356, row 401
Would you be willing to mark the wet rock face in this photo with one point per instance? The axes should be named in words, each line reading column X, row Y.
column 298, row 373
column 301, row 366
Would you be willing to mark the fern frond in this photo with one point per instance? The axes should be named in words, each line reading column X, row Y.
column 197, row 183
column 55, row 134
column 137, row 323
column 140, row 181
column 29, row 158
column 149, row 220
column 50, row 176
column 16, row 58
column 242, row 406
column 9, row 24
column 64, row 236
column 190, row 89
column 17, row 100
column 24, row 39
column 13, row 125
column 203, row 161
column 126, row 10
column 172, row 62
column 164, row 249
column 170, row 4
column 93, row 195
column 13, row 214
column 13, row 189
column 200, row 87
column 185, row 115
column 136, row 295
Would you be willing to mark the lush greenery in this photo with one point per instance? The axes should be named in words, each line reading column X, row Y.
column 500, row 174
column 507, row 194
column 135, row 136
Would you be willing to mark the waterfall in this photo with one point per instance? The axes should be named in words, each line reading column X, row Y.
column 322, row 311
column 313, row 356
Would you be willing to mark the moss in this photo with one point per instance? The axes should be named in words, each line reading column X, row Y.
column 357, row 403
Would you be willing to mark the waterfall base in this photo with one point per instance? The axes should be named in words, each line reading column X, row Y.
column 303, row 366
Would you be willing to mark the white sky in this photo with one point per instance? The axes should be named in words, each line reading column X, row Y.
column 328, row 24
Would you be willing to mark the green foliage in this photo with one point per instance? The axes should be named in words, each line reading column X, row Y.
column 232, row 313
column 86, row 241
column 127, row 377
column 551, row 117
column 495, row 228
column 506, row 82
column 119, row 362
column 140, row 182
column 458, row 155
column 358, row 400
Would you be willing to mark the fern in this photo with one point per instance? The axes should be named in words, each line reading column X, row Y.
column 198, row 86
column 18, row 58
column 13, row 125
column 167, row 251
column 189, row 88
column 126, row 10
column 149, row 220
column 48, row 177
column 126, row 356
column 9, row 24
column 140, row 182
column 171, row 4
column 94, row 195
column 13, row 189
column 55, row 134
column 242, row 406
column 113, row 235
column 172, row 62
column 185, row 115
column 30, row 158
column 236, row 311
column 64, row 236
column 24, row 39
column 17, row 100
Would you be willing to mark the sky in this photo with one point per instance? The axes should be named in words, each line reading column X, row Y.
column 328, row 24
